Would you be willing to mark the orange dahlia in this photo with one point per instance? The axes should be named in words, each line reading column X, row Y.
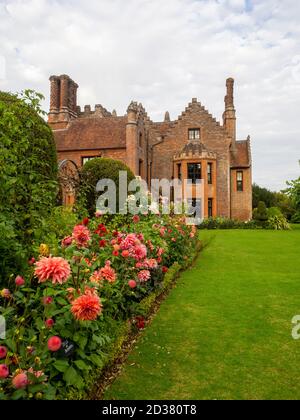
column 86, row 307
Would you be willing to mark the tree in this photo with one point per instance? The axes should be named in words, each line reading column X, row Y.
column 263, row 194
column 28, row 175
column 293, row 192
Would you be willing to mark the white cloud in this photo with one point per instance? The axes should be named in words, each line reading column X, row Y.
column 163, row 53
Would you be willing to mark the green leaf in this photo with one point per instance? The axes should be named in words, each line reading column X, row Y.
column 81, row 365
column 61, row 301
column 97, row 360
column 61, row 365
column 73, row 379
column 82, row 342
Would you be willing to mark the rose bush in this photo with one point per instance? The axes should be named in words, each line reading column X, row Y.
column 61, row 313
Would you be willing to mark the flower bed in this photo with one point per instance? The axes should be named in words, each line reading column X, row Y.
column 65, row 316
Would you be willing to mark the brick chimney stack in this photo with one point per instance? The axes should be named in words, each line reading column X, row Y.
column 63, row 101
column 229, row 116
column 132, row 138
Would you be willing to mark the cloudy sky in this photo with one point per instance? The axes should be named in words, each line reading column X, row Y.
column 164, row 52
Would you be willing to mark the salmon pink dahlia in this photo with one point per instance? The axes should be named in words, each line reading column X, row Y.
column 144, row 276
column 54, row 343
column 86, row 307
column 132, row 284
column 55, row 269
column 20, row 381
column 81, row 236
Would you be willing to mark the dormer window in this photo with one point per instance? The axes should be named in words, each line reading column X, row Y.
column 194, row 134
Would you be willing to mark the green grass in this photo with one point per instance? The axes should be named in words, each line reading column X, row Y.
column 225, row 330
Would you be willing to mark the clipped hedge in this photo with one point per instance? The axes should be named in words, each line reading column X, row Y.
column 28, row 176
column 94, row 171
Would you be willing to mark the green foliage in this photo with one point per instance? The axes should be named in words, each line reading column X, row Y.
column 272, row 199
column 225, row 223
column 28, row 174
column 278, row 222
column 263, row 194
column 274, row 211
column 293, row 191
column 95, row 170
column 296, row 218
column 55, row 226
column 260, row 214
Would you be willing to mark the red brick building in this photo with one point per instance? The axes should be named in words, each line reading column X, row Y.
column 193, row 146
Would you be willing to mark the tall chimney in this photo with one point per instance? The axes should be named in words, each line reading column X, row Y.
column 63, row 100
column 229, row 116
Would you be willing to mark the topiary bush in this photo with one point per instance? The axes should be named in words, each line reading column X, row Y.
column 95, row 170
column 28, row 175
column 260, row 214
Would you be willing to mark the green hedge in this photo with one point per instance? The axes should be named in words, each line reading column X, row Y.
column 94, row 171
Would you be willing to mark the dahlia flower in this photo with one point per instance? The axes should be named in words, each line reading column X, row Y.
column 5, row 293
column 4, row 371
column 20, row 381
column 19, row 281
column 54, row 343
column 3, row 352
column 144, row 276
column 67, row 241
column 130, row 241
column 105, row 273
column 81, row 236
column 86, row 307
column 55, row 269
column 132, row 284
column 139, row 252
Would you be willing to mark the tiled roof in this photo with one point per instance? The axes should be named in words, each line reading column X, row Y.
column 240, row 157
column 92, row 133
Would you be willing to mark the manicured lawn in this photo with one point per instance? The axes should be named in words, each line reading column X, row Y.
column 225, row 330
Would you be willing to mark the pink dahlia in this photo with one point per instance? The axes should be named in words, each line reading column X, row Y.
column 86, row 307
column 19, row 281
column 160, row 252
column 47, row 300
column 55, row 269
column 132, row 284
column 3, row 352
column 20, row 381
column 139, row 252
column 130, row 241
column 67, row 241
column 136, row 219
column 144, row 276
column 81, row 236
column 4, row 372
column 54, row 343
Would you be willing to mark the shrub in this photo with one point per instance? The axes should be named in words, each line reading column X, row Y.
column 296, row 218
column 28, row 173
column 260, row 214
column 95, row 170
column 225, row 223
column 274, row 211
column 278, row 223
